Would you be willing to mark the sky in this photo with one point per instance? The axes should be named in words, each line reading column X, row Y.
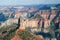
column 28, row 2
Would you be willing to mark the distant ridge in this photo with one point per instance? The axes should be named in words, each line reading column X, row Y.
column 40, row 5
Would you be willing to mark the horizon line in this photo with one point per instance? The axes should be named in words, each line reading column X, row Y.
column 26, row 5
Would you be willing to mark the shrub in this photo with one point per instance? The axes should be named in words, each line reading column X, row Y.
column 9, row 36
column 25, row 35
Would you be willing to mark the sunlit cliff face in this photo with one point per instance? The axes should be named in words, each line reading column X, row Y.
column 34, row 23
column 28, row 23
column 53, row 14
column 19, row 14
column 46, row 23
column 45, row 14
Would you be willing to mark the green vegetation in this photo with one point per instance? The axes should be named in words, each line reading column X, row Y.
column 25, row 35
column 51, row 29
column 28, row 28
column 9, row 36
column 8, row 28
column 9, row 31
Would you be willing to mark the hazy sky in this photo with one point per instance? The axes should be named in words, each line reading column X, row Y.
column 28, row 2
